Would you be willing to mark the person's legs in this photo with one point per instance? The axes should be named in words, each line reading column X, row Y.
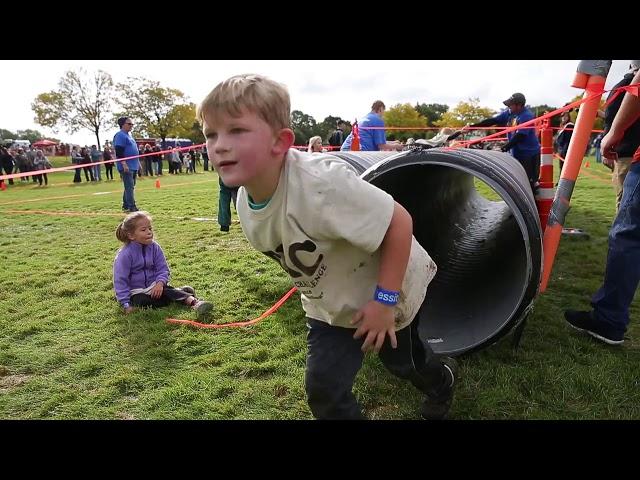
column 622, row 275
column 620, row 170
column 224, row 207
column 46, row 180
column 234, row 198
column 133, row 190
column 333, row 360
column 145, row 300
column 414, row 361
column 128, row 181
column 175, row 294
column 8, row 169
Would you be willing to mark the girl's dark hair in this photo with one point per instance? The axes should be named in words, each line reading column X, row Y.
column 128, row 225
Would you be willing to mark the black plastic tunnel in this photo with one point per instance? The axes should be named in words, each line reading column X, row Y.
column 488, row 251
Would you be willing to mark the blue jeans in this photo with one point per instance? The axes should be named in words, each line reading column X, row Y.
column 129, row 180
column 227, row 194
column 97, row 172
column 622, row 274
column 334, row 359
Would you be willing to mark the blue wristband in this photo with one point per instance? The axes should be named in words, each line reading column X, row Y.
column 125, row 305
column 387, row 297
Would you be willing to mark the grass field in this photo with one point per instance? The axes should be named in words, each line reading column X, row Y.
column 68, row 352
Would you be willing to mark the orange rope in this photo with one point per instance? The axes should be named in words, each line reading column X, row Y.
column 275, row 307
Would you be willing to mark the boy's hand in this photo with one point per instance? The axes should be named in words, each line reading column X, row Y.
column 156, row 291
column 376, row 321
column 128, row 310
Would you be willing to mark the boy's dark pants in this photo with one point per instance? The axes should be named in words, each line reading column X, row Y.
column 334, row 358
column 169, row 294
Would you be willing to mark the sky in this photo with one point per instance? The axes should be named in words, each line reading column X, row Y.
column 344, row 88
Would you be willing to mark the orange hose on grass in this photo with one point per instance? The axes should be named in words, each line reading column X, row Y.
column 271, row 310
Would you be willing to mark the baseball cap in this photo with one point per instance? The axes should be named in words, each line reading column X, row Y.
column 515, row 98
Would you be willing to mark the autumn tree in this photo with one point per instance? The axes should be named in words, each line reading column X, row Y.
column 82, row 100
column 304, row 127
column 431, row 111
column 157, row 111
column 599, row 123
column 463, row 113
column 32, row 135
column 326, row 127
column 404, row 115
column 539, row 110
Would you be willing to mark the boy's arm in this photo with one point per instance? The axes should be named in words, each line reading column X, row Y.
column 376, row 319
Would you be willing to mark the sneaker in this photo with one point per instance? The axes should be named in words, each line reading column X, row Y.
column 584, row 321
column 202, row 308
column 190, row 290
column 436, row 407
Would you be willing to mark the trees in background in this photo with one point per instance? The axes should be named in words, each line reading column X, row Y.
column 404, row 115
column 28, row 134
column 92, row 101
column 463, row 113
column 82, row 100
column 158, row 112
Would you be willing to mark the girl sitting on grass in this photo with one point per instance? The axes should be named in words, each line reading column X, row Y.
column 141, row 273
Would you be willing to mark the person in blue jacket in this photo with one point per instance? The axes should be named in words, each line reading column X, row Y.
column 523, row 144
column 126, row 148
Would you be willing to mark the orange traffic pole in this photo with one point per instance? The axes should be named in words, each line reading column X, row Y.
column 546, row 190
column 577, row 147
column 355, row 141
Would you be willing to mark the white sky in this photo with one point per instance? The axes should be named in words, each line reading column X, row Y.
column 344, row 88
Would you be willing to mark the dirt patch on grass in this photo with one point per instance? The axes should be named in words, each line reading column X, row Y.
column 11, row 381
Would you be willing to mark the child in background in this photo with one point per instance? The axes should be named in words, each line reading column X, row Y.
column 186, row 162
column 141, row 273
column 41, row 163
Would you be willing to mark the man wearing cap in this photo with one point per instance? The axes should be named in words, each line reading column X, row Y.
column 126, row 147
column 631, row 139
column 523, row 144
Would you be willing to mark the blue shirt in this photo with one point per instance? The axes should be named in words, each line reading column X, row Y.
column 124, row 139
column 529, row 145
column 369, row 139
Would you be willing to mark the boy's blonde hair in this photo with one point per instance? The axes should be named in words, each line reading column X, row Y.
column 255, row 93
column 128, row 225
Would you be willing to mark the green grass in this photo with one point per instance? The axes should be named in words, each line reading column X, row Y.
column 67, row 351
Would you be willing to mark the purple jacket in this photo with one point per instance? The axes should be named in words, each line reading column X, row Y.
column 138, row 266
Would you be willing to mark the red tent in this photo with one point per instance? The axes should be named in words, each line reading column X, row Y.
column 44, row 143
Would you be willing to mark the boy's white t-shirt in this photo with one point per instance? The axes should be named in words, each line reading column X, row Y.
column 325, row 225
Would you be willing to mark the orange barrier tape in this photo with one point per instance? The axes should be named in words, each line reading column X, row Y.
column 593, row 93
column 68, row 214
column 40, row 199
column 86, row 165
column 633, row 89
column 275, row 307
